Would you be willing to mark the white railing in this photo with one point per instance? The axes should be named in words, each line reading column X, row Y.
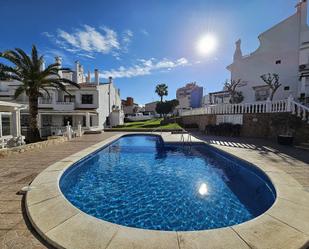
column 286, row 105
column 255, row 107
column 45, row 100
column 64, row 106
column 64, row 103
column 300, row 110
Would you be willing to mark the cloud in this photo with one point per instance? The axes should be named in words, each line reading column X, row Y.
column 145, row 67
column 144, row 32
column 47, row 34
column 88, row 40
column 127, row 36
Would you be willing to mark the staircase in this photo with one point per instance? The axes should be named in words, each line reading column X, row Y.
column 300, row 110
column 303, row 146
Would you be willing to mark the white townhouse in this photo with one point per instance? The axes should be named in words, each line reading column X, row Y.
column 284, row 50
column 95, row 105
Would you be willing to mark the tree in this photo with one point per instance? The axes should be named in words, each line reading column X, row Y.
column 28, row 71
column 271, row 80
column 236, row 96
column 161, row 90
column 166, row 107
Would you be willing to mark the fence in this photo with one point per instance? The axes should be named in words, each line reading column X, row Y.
column 287, row 105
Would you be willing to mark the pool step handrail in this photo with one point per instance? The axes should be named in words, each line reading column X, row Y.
column 157, row 129
column 182, row 137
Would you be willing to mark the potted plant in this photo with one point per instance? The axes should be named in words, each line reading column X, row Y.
column 286, row 125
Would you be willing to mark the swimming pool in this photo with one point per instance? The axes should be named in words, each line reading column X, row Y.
column 138, row 181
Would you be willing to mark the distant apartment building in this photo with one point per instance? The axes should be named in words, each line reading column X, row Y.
column 151, row 107
column 284, row 50
column 92, row 105
column 129, row 107
column 189, row 96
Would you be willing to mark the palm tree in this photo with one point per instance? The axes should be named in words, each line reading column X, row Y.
column 34, row 80
column 161, row 90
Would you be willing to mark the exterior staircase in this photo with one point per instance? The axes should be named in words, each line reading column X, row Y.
column 303, row 146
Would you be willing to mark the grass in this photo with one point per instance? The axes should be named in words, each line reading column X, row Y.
column 149, row 124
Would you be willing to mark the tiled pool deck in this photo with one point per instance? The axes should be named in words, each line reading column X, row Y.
column 289, row 227
column 18, row 171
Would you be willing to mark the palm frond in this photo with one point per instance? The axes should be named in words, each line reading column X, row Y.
column 21, row 89
column 25, row 57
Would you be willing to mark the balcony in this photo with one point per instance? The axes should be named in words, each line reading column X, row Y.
column 45, row 102
column 64, row 106
column 7, row 93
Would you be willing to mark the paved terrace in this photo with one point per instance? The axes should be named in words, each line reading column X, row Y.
column 19, row 170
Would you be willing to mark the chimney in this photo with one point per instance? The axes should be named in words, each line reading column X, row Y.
column 82, row 76
column 237, row 53
column 110, row 79
column 96, row 77
column 76, row 73
column 58, row 60
column 88, row 77
column 42, row 65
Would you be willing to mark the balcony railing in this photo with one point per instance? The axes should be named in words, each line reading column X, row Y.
column 45, row 101
column 64, row 106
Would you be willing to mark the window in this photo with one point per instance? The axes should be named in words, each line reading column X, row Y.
column 24, row 120
column 261, row 93
column 6, row 125
column 286, row 88
column 278, row 62
column 67, row 119
column 46, row 120
column 87, row 99
column 69, row 98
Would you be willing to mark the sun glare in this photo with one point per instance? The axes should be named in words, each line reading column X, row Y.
column 207, row 44
column 203, row 190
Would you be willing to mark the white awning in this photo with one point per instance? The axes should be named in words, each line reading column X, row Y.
column 10, row 106
column 68, row 113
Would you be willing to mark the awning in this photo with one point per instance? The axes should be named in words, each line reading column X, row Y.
column 10, row 106
column 68, row 113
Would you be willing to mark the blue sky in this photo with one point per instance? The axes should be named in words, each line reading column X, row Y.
column 141, row 43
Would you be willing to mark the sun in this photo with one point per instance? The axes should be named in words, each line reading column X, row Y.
column 207, row 44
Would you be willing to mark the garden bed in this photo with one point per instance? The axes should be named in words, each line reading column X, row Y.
column 32, row 146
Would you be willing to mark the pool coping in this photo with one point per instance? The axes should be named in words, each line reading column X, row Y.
column 284, row 225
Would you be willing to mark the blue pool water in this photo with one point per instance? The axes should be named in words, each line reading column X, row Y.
column 139, row 181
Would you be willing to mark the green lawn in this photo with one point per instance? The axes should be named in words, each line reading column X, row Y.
column 149, row 124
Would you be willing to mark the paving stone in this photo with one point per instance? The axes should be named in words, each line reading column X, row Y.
column 211, row 239
column 10, row 206
column 267, row 232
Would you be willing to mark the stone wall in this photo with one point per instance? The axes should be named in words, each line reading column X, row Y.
column 200, row 120
column 270, row 125
column 20, row 149
column 259, row 125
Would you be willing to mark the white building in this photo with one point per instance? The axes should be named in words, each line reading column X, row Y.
column 91, row 105
column 284, row 50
